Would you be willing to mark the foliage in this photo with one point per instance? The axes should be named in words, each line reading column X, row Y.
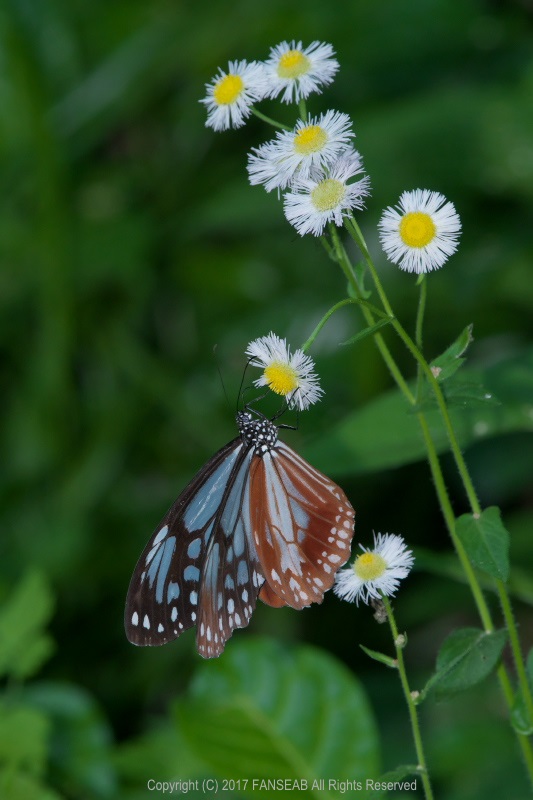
column 130, row 243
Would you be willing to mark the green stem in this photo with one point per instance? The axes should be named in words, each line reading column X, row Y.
column 356, row 234
column 419, row 329
column 269, row 120
column 515, row 647
column 413, row 715
column 302, row 108
column 436, row 472
column 345, row 264
column 348, row 301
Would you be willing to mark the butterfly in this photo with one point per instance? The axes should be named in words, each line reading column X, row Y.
column 256, row 521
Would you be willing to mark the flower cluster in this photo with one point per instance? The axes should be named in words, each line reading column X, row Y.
column 315, row 160
column 315, row 164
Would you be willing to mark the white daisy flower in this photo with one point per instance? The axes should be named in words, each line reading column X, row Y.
column 312, row 145
column 316, row 201
column 421, row 233
column 231, row 94
column 290, row 375
column 375, row 572
column 297, row 72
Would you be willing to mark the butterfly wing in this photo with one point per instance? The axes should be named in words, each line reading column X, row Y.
column 303, row 525
column 172, row 585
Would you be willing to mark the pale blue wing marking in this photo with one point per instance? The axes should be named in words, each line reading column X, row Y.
column 191, row 573
column 167, row 551
column 234, row 503
column 173, row 591
column 204, row 503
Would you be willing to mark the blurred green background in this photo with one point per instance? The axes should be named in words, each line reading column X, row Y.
column 131, row 245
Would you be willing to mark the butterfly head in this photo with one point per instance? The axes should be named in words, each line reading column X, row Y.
column 261, row 433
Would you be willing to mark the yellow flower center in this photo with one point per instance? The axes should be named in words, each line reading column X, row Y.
column 281, row 378
column 293, row 64
column 228, row 89
column 417, row 229
column 310, row 139
column 369, row 566
column 328, row 194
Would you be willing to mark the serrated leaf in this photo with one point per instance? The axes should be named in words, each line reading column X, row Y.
column 385, row 434
column 467, row 657
column 381, row 657
column 486, row 542
column 265, row 711
column 23, row 646
column 449, row 362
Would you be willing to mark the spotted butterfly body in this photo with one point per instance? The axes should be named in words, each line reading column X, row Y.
column 256, row 521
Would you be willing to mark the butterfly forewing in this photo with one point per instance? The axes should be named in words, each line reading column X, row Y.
column 163, row 596
column 303, row 526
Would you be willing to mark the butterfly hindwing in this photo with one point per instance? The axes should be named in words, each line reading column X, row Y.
column 232, row 574
column 303, row 525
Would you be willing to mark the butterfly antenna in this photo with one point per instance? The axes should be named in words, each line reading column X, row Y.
column 240, row 396
column 220, row 374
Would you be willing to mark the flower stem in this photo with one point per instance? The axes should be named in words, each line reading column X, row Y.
column 356, row 234
column 515, row 648
column 419, row 330
column 302, row 108
column 269, row 120
column 348, row 301
column 436, row 471
column 413, row 715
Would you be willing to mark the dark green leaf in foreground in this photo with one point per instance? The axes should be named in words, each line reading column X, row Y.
column 466, row 658
column 266, row 711
column 386, row 433
column 486, row 542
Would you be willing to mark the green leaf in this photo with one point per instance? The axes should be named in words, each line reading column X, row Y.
column 360, row 274
column 486, row 542
column 23, row 737
column 396, row 776
column 381, row 657
column 386, row 434
column 467, row 657
column 19, row 786
column 450, row 361
column 459, row 393
column 447, row 565
column 267, row 711
column 23, row 645
column 80, row 737
column 366, row 332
